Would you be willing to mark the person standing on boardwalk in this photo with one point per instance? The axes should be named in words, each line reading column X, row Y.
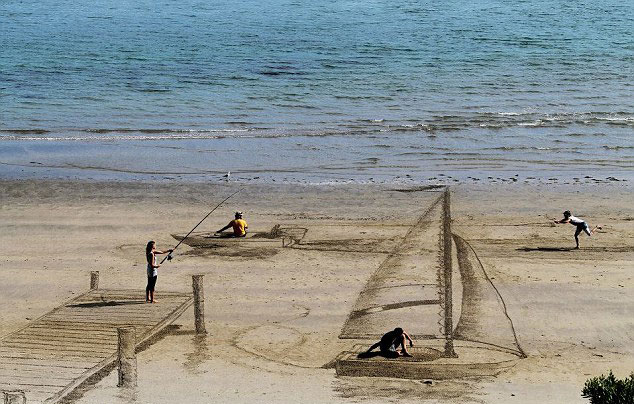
column 579, row 223
column 391, row 341
column 150, row 255
column 239, row 226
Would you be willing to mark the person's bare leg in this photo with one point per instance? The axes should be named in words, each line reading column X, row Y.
column 152, row 296
column 577, row 232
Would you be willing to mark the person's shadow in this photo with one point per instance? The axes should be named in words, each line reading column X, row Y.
column 374, row 354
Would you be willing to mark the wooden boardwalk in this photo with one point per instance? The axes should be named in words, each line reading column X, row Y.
column 54, row 354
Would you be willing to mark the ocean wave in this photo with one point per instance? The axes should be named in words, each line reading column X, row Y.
column 502, row 120
column 433, row 125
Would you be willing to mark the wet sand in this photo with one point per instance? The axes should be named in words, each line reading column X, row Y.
column 274, row 314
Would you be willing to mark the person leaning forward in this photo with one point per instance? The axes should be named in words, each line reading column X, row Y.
column 239, row 226
column 390, row 343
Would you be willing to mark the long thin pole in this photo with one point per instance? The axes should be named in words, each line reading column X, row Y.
column 446, row 235
column 203, row 219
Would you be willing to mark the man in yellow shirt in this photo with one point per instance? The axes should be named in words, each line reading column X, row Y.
column 239, row 226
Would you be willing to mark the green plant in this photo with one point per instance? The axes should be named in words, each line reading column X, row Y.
column 609, row 390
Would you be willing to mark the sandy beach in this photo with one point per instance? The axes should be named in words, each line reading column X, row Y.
column 274, row 313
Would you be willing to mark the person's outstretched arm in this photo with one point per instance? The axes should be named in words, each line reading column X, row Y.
column 224, row 228
column 160, row 252
column 562, row 221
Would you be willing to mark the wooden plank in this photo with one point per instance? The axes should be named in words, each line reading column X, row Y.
column 84, row 349
column 31, row 388
column 113, row 324
column 117, row 321
column 121, row 294
column 105, row 316
column 8, row 362
column 35, row 336
column 168, row 320
column 74, row 338
column 23, row 343
column 46, row 344
column 35, row 381
column 31, row 352
column 69, row 325
column 46, row 362
column 40, row 339
column 27, row 367
column 57, row 352
column 124, row 308
column 121, row 311
column 42, row 373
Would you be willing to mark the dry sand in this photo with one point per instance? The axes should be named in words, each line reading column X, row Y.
column 274, row 314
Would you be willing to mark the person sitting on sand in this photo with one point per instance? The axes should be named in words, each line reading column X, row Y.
column 579, row 223
column 152, row 273
column 239, row 226
column 391, row 341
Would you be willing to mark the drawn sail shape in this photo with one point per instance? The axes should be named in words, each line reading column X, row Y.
column 405, row 289
column 483, row 317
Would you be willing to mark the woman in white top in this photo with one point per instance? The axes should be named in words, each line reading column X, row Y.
column 579, row 223
column 152, row 273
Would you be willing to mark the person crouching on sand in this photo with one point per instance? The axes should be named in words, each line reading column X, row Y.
column 579, row 223
column 391, row 341
column 239, row 226
column 150, row 255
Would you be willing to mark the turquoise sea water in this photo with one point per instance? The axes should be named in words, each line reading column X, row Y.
column 316, row 89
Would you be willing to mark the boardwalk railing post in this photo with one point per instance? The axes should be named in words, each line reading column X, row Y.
column 94, row 280
column 13, row 397
column 199, row 304
column 126, row 357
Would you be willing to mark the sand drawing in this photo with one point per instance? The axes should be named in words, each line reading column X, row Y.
column 53, row 356
column 453, row 307
column 414, row 287
column 442, row 280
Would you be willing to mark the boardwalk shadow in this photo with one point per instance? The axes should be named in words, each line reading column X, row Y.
column 107, row 304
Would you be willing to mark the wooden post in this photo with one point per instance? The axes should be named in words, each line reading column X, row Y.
column 94, row 280
column 126, row 357
column 199, row 304
column 447, row 246
column 14, row 397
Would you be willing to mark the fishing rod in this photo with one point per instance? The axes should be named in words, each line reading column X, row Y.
column 169, row 256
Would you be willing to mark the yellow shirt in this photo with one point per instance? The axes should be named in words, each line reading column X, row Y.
column 239, row 227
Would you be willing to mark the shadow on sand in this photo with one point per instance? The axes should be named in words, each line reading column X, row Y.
column 106, row 304
column 546, row 249
column 374, row 354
